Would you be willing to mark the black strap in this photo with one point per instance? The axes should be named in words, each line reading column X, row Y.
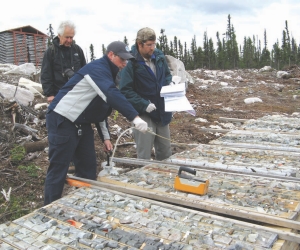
column 134, row 67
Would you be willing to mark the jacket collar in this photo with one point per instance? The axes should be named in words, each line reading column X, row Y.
column 114, row 69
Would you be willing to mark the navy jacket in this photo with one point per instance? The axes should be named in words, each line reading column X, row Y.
column 90, row 95
column 141, row 86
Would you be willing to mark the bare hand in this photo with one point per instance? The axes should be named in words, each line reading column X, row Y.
column 108, row 146
column 50, row 98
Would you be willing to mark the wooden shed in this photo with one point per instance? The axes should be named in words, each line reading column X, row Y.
column 22, row 45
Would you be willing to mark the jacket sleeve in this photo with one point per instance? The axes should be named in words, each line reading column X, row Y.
column 126, row 86
column 103, row 131
column 100, row 78
column 47, row 74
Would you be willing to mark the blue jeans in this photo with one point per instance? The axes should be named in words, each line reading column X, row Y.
column 65, row 145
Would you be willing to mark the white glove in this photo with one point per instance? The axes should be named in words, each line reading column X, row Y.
column 140, row 124
column 175, row 80
column 150, row 108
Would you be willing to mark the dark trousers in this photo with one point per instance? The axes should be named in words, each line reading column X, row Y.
column 65, row 145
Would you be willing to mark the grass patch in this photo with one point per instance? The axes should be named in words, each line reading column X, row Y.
column 31, row 170
column 116, row 114
column 17, row 154
column 13, row 209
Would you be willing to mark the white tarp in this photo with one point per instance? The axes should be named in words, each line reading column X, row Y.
column 26, row 69
column 177, row 69
column 21, row 95
column 6, row 67
column 34, row 87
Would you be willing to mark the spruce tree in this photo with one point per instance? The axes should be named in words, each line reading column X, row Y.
column 171, row 52
column 265, row 59
column 211, row 54
column 92, row 54
column 205, row 51
column 50, row 34
column 194, row 59
column 284, row 50
column 103, row 49
column 248, row 53
column 287, row 46
column 293, row 57
column 125, row 41
column 175, row 47
column 220, row 53
column 180, row 50
column 163, row 42
column 276, row 52
column 185, row 55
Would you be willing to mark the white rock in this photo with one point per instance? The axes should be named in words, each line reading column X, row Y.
column 224, row 83
column 200, row 120
column 215, row 127
column 40, row 105
column 252, row 100
column 280, row 74
column 266, row 68
column 227, row 77
column 227, row 109
column 228, row 125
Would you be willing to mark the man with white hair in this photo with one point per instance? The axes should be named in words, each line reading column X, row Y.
column 61, row 60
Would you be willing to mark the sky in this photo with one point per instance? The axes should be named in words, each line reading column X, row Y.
column 101, row 22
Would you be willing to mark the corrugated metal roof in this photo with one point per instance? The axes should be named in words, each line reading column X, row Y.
column 25, row 29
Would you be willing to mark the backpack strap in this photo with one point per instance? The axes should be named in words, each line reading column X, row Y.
column 52, row 47
column 134, row 67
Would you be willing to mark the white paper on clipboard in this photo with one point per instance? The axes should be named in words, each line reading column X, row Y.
column 175, row 99
column 173, row 90
column 181, row 103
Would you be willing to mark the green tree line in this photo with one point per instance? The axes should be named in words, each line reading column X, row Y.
column 228, row 54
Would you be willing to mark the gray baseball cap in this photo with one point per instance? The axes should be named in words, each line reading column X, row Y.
column 120, row 49
column 146, row 34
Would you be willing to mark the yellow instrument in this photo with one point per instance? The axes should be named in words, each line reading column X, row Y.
column 190, row 184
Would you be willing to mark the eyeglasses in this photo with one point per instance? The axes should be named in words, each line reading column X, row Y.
column 150, row 45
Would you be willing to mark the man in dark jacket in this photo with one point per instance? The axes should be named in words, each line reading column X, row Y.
column 61, row 60
column 141, row 82
column 88, row 97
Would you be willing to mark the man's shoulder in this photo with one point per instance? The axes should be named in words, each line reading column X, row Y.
column 76, row 46
column 159, row 54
